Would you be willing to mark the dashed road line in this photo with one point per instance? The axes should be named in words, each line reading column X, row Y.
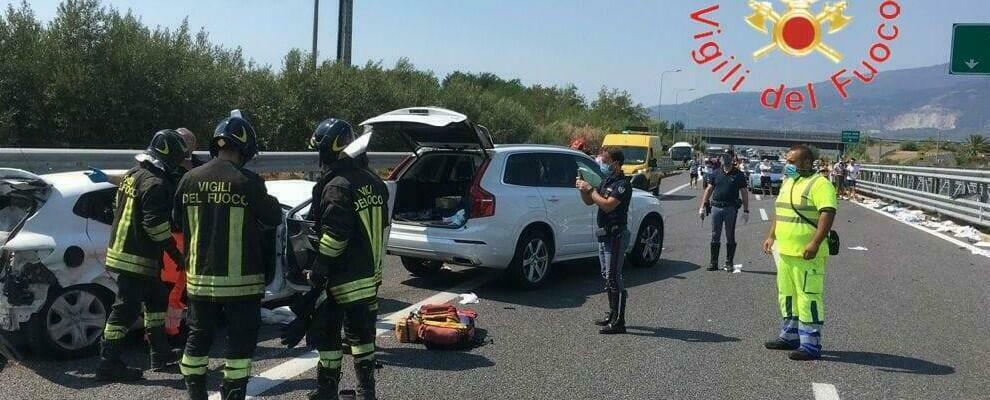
column 824, row 391
column 675, row 190
column 763, row 215
column 294, row 367
column 758, row 197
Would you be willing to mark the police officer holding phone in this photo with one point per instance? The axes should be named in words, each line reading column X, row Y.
column 612, row 198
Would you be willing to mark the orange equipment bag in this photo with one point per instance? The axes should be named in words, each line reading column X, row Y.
column 438, row 326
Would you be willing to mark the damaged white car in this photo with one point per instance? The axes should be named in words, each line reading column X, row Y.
column 54, row 231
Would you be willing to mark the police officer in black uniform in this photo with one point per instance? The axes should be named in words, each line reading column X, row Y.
column 223, row 208
column 350, row 214
column 726, row 193
column 612, row 198
column 141, row 233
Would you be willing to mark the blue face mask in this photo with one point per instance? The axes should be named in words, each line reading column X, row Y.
column 791, row 171
column 606, row 168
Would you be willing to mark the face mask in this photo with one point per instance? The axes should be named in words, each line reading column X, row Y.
column 791, row 171
column 606, row 168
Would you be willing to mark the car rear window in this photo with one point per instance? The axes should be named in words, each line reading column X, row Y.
column 96, row 205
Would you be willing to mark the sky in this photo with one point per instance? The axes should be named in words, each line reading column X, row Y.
column 623, row 44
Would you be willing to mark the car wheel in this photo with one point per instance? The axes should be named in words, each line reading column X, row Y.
column 420, row 267
column 530, row 266
column 649, row 243
column 71, row 322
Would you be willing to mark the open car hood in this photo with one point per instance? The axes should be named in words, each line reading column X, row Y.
column 431, row 127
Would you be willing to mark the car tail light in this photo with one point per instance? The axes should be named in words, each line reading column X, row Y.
column 482, row 202
column 397, row 170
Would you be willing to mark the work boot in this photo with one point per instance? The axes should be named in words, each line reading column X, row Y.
column 801, row 355
column 730, row 256
column 196, row 387
column 713, row 264
column 605, row 319
column 781, row 344
column 327, row 381
column 112, row 368
column 617, row 301
column 365, row 371
column 233, row 389
column 163, row 357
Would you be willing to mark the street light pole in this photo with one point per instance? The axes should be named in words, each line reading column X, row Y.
column 660, row 103
column 316, row 27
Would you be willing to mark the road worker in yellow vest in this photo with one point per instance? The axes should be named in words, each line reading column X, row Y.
column 804, row 213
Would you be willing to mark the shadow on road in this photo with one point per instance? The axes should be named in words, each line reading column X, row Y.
column 445, row 279
column 888, row 362
column 677, row 197
column 684, row 335
column 774, row 273
column 570, row 284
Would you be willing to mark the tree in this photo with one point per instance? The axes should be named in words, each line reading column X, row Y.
column 976, row 145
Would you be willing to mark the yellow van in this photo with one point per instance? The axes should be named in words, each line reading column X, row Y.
column 643, row 152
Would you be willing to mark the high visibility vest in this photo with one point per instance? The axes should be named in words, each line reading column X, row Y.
column 810, row 195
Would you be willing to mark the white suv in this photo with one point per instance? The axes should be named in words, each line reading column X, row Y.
column 460, row 199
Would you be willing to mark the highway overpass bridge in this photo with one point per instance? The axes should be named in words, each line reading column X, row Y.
column 770, row 138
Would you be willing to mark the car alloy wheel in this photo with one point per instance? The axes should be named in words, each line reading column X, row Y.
column 75, row 319
column 535, row 260
column 650, row 242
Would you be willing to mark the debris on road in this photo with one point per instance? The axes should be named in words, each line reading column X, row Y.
column 278, row 316
column 859, row 248
column 468, row 298
column 736, row 269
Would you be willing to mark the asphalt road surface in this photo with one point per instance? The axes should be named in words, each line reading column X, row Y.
column 906, row 320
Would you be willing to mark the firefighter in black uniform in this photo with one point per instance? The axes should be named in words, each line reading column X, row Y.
column 222, row 208
column 350, row 211
column 612, row 198
column 141, row 233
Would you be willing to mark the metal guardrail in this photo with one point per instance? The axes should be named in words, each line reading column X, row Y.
column 46, row 161
column 956, row 193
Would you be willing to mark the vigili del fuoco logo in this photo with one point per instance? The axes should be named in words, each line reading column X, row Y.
column 799, row 30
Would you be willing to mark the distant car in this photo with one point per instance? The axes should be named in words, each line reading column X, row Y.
column 776, row 177
column 462, row 200
column 54, row 231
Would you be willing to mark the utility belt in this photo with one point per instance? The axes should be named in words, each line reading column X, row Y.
column 603, row 233
column 726, row 204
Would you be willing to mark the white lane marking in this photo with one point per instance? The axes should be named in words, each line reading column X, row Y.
column 939, row 235
column 287, row 370
column 758, row 197
column 763, row 215
column 825, row 391
column 675, row 190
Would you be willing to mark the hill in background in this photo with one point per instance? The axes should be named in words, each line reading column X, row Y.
column 908, row 103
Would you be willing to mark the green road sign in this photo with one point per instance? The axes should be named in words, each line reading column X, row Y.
column 850, row 136
column 970, row 49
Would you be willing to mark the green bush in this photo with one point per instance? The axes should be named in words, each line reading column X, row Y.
column 909, row 146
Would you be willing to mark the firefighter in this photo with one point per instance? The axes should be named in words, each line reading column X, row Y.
column 350, row 211
column 141, row 233
column 222, row 209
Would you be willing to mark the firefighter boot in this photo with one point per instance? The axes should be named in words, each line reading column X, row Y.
column 163, row 358
column 730, row 256
column 327, row 380
column 713, row 264
column 617, row 301
column 235, row 389
column 196, row 387
column 112, row 368
column 365, row 371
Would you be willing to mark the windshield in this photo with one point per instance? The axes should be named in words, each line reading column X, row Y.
column 634, row 155
column 680, row 153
